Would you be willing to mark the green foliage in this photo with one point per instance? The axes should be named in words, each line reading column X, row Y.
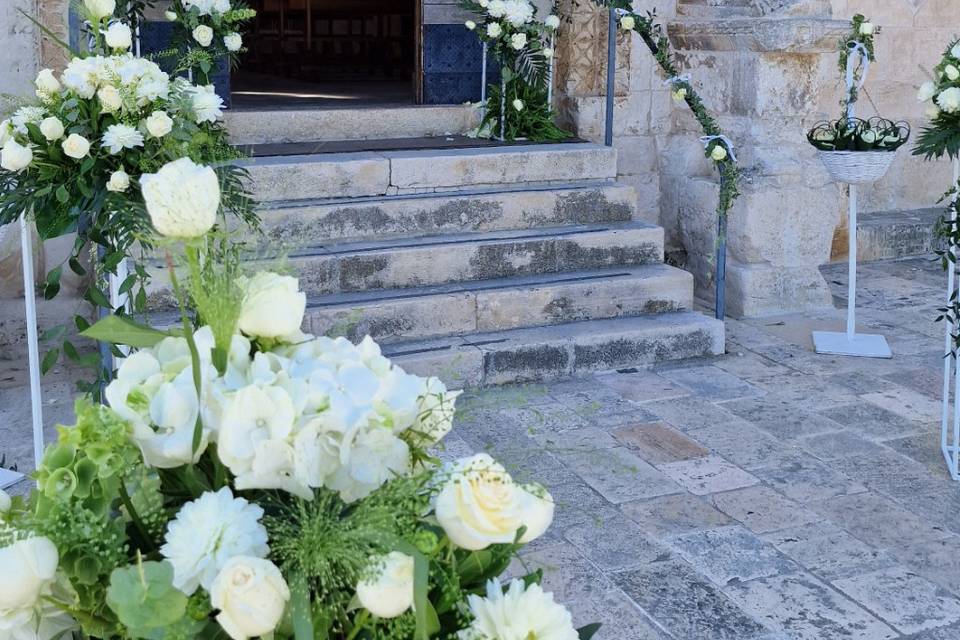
column 145, row 601
column 868, row 40
column 875, row 134
column 203, row 61
column 534, row 120
column 124, row 331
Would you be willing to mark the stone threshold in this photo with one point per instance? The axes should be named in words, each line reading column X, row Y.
column 386, row 144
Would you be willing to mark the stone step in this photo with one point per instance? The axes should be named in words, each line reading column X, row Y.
column 354, row 175
column 316, row 222
column 470, row 257
column 509, row 303
column 573, row 349
column 368, row 123
column 897, row 234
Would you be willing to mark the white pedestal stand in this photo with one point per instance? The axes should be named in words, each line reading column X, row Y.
column 850, row 343
column 950, row 424
column 33, row 340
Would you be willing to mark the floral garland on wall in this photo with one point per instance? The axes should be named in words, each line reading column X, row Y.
column 74, row 159
column 521, row 45
column 208, row 31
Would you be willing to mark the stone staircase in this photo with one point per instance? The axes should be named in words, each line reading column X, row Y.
column 483, row 265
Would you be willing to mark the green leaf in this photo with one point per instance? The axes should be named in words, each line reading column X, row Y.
column 144, row 598
column 62, row 195
column 588, row 631
column 98, row 298
column 300, row 608
column 49, row 361
column 87, row 164
column 121, row 330
column 53, row 333
column 76, row 267
column 71, row 351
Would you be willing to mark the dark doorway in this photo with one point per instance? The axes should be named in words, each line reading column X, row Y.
column 325, row 53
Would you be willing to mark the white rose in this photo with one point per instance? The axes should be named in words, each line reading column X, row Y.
column 207, row 105
column 627, row 23
column 552, row 22
column 76, row 146
column 719, row 153
column 251, row 595
column 52, row 129
column 159, row 124
column 28, row 567
column 518, row 104
column 518, row 41
column 15, row 156
column 6, row 132
column 547, row 53
column 470, row 24
column 203, row 35
column 494, row 30
column 110, row 99
column 99, row 9
column 949, row 100
column 233, row 41
column 47, row 84
column 680, row 94
column 5, row 501
column 119, row 181
column 927, row 91
column 480, row 505
column 182, row 198
column 951, row 72
column 171, row 16
column 867, row 29
column 118, row 36
column 389, row 593
column 273, row 305
column 519, row 612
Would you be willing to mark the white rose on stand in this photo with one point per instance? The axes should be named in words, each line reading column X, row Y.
column 99, row 9
column 52, row 129
column 15, row 156
column 119, row 181
column 182, row 198
column 251, row 595
column 203, row 35
column 867, row 29
column 388, row 593
column 273, row 305
column 521, row 612
column 76, row 146
column 518, row 41
column 627, row 23
column 233, row 42
column 159, row 124
column 926, row 92
column 118, row 36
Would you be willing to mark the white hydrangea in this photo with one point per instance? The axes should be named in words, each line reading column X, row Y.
column 207, row 533
column 519, row 613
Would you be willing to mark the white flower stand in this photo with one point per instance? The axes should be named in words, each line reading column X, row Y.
column 950, row 415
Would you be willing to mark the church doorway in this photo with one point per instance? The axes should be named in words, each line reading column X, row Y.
column 328, row 53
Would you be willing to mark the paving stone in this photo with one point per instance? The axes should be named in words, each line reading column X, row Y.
column 797, row 388
column 690, row 413
column 908, row 404
column 711, row 383
column 935, row 560
column 576, row 502
column 618, row 616
column 828, row 551
column 586, row 439
column 731, row 554
column 780, row 418
column 903, row 599
column 893, row 474
column 938, row 509
column 658, row 444
column 804, row 478
column 566, row 573
column 685, row 604
column 839, row 444
column 951, row 632
column 615, row 544
column 877, row 520
column 600, row 405
column 923, row 448
column 744, row 444
column 860, row 382
column 642, row 386
column 925, row 380
column 618, row 475
column 674, row 514
column 535, row 465
column 711, row 474
column 761, row 509
column 870, row 420
column 537, row 420
column 750, row 366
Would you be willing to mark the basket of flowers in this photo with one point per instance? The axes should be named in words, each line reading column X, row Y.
column 858, row 151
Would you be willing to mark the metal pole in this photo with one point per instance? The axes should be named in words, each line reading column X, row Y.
column 33, row 340
column 483, row 84
column 951, row 451
column 553, row 61
column 503, row 107
column 720, row 302
column 611, row 74
column 852, row 268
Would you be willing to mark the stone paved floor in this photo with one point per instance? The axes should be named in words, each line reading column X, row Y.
column 769, row 494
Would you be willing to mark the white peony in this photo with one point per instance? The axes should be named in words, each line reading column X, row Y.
column 627, row 23
column 479, row 505
column 182, row 198
column 470, row 24
column 949, row 100
column 118, row 36
column 47, row 84
column 518, row 104
column 52, row 129
column 518, row 12
column 951, row 72
column 251, row 595
column 99, row 9
column 273, row 305
column 110, row 99
column 494, row 30
column 15, row 156
column 926, row 92
column 388, row 593
column 552, row 22
column 203, row 35
column 76, row 146
column 119, row 181
column 159, row 124
column 207, row 533
column 118, row 137
column 233, row 41
column 523, row 612
column 518, row 41
column 207, row 105
column 867, row 29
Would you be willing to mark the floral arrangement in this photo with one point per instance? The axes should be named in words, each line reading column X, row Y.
column 519, row 107
column 860, row 41
column 942, row 95
column 209, row 30
column 249, row 480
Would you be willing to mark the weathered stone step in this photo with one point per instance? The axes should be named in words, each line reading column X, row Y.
column 578, row 348
column 354, row 175
column 896, row 234
column 369, row 123
column 477, row 211
column 434, row 260
column 509, row 303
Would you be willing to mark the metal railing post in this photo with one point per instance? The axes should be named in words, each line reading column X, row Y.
column 611, row 75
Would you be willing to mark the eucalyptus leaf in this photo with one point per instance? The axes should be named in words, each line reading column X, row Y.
column 144, row 598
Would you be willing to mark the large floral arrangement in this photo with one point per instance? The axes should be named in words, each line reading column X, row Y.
column 209, row 30
column 249, row 480
column 522, row 45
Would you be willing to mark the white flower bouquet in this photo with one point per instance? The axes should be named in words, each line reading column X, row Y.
column 942, row 97
column 209, row 30
column 248, row 480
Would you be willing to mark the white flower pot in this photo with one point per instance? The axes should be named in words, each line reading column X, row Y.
column 857, row 167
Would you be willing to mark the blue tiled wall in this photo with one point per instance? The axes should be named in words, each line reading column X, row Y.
column 452, row 64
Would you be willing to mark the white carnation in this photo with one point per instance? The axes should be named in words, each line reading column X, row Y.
column 118, row 36
column 182, row 198
column 520, row 613
column 949, row 100
column 207, row 105
column 118, row 137
column 207, row 533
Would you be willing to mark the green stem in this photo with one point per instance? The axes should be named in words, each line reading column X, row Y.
column 188, row 334
column 134, row 515
column 361, row 622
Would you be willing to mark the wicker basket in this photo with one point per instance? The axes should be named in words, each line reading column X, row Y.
column 857, row 167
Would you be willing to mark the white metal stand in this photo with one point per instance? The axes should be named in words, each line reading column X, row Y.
column 950, row 424
column 33, row 340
